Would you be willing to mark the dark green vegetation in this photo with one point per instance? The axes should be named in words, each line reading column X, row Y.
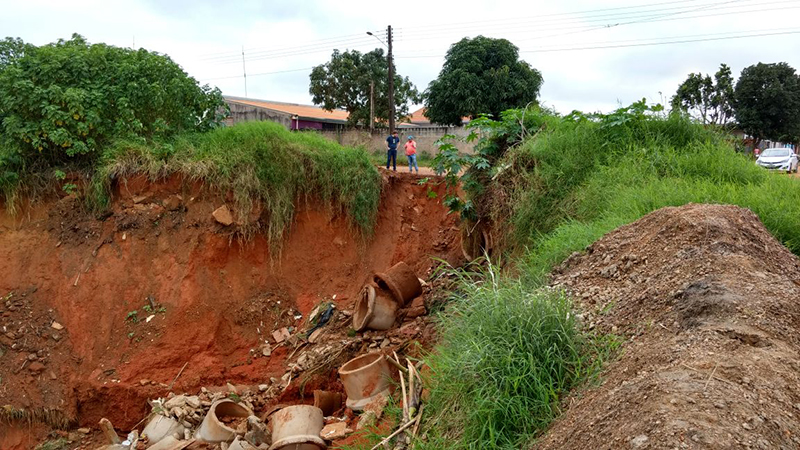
column 344, row 82
column 71, row 99
column 259, row 162
column 708, row 101
column 480, row 76
column 551, row 186
column 767, row 101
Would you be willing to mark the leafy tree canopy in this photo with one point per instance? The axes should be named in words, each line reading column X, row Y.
column 481, row 76
column 71, row 98
column 344, row 83
column 709, row 101
column 767, row 102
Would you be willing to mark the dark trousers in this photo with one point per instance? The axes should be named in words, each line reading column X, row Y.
column 391, row 158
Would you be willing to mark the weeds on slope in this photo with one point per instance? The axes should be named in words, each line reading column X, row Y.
column 257, row 162
column 508, row 353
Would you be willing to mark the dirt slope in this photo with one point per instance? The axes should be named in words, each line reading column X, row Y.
column 211, row 299
column 708, row 302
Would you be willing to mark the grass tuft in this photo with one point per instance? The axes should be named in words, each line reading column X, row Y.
column 508, row 353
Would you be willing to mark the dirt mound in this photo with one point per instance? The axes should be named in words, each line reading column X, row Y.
column 707, row 301
column 100, row 314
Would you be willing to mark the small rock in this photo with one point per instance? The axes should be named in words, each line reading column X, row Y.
column 335, row 431
column 56, row 337
column 281, row 335
column 84, row 430
column 144, row 382
column 263, row 387
column 139, row 199
column 193, row 401
column 173, row 203
column 177, row 401
column 57, row 326
column 315, row 335
column 747, row 426
column 53, row 375
column 266, row 349
column 232, row 388
column 367, row 419
column 33, row 357
column 36, row 367
column 223, row 215
column 639, row 441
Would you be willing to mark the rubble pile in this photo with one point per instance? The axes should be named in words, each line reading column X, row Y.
column 327, row 342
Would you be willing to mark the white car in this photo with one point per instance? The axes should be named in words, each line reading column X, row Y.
column 778, row 159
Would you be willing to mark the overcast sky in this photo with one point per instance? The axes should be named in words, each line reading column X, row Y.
column 282, row 40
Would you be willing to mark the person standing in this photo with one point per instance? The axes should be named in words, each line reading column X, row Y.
column 411, row 153
column 391, row 148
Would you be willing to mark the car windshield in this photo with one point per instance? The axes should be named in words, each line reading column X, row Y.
column 772, row 152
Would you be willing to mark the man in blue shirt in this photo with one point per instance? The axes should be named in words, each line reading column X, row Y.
column 391, row 147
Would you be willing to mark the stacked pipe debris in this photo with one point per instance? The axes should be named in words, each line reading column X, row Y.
column 378, row 302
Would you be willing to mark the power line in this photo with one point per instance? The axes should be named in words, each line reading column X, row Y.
column 590, row 23
column 257, row 74
column 681, row 40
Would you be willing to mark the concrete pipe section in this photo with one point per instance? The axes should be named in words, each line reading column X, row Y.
column 375, row 309
column 401, row 281
column 329, row 402
column 297, row 428
column 364, row 378
column 161, row 427
column 212, row 429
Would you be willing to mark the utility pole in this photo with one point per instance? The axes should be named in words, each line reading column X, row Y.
column 391, row 80
column 371, row 106
column 244, row 73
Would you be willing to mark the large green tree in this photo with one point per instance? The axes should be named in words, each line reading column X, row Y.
column 767, row 102
column 708, row 100
column 70, row 98
column 481, row 76
column 344, row 83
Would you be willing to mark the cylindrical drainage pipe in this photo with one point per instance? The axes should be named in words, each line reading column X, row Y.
column 297, row 428
column 401, row 281
column 329, row 402
column 375, row 309
column 364, row 378
column 212, row 429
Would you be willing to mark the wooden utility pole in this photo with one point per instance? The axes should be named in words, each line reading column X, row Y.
column 391, row 80
column 244, row 73
column 371, row 106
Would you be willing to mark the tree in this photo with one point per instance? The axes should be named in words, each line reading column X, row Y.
column 70, row 98
column 12, row 49
column 767, row 102
column 344, row 83
column 480, row 76
column 709, row 101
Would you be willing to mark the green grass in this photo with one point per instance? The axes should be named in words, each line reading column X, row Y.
column 259, row 162
column 509, row 351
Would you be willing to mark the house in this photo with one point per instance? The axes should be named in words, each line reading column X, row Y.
column 292, row 115
column 418, row 118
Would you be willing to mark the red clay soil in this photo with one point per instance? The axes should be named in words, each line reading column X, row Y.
column 159, row 253
column 707, row 301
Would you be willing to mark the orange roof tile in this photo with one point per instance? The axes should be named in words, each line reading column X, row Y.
column 303, row 111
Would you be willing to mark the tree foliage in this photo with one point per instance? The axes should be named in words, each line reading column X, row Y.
column 481, row 76
column 767, row 101
column 71, row 98
column 709, row 101
column 344, row 83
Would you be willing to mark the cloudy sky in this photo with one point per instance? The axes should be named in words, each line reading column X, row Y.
column 593, row 55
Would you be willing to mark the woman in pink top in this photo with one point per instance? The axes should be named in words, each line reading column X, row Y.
column 411, row 153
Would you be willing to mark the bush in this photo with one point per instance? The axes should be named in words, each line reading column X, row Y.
column 508, row 353
column 71, row 99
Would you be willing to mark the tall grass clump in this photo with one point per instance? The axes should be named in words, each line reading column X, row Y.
column 507, row 354
column 259, row 162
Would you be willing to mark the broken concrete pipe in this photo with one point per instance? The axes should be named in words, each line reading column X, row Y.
column 161, row 427
column 401, row 281
column 297, row 428
column 364, row 378
column 329, row 402
column 212, row 429
column 375, row 309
